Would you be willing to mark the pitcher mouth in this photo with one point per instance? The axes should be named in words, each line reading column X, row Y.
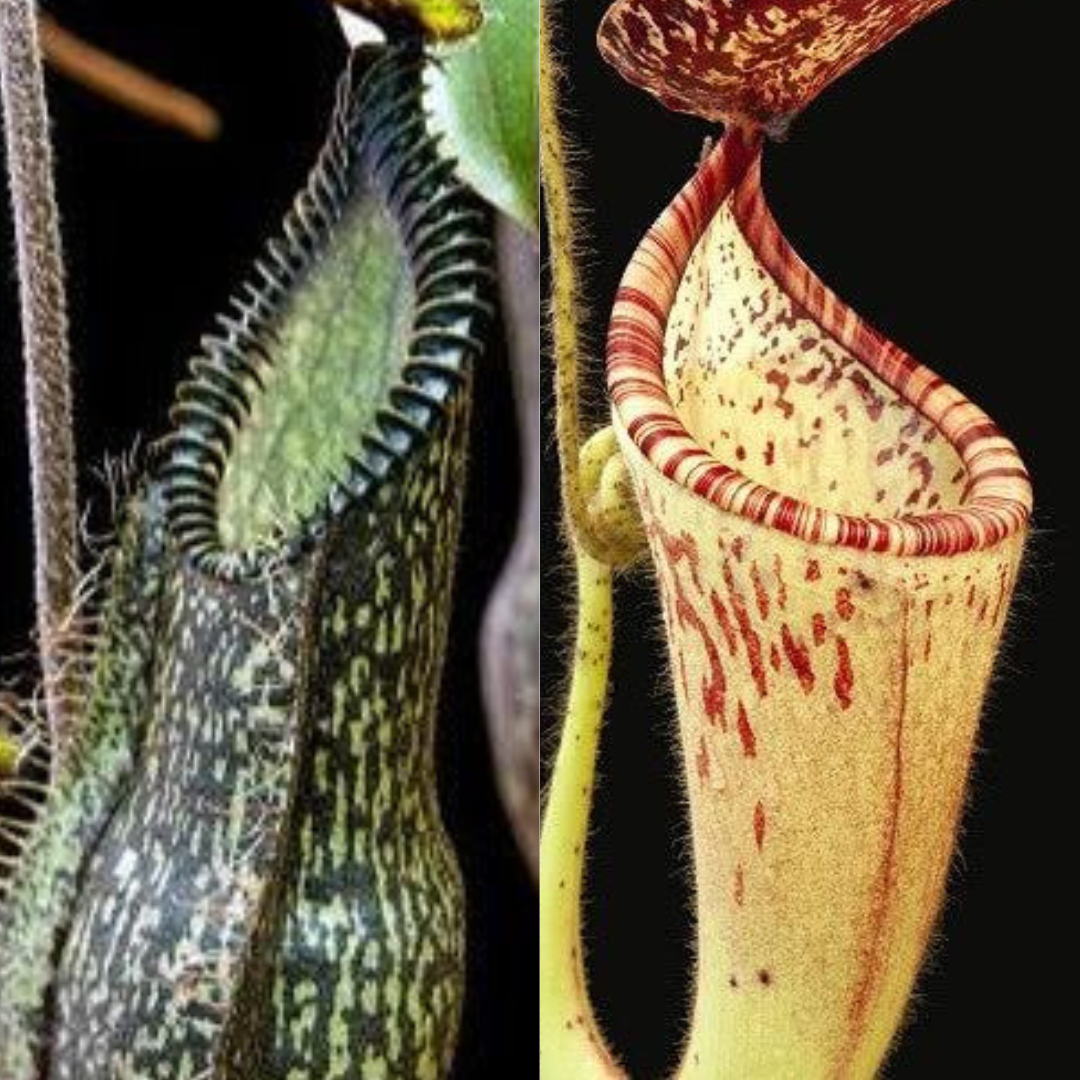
column 997, row 499
column 380, row 148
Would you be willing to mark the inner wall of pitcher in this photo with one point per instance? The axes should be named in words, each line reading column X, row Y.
column 768, row 391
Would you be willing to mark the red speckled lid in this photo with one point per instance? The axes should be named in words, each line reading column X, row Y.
column 747, row 61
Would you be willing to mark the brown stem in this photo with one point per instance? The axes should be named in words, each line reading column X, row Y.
column 45, row 339
column 126, row 85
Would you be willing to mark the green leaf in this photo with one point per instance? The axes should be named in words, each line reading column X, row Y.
column 485, row 101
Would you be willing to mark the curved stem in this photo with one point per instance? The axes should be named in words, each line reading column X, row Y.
column 45, row 339
column 570, row 1041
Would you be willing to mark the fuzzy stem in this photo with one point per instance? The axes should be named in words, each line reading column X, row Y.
column 565, row 297
column 45, row 339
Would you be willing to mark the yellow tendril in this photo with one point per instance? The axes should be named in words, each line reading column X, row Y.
column 605, row 529
column 570, row 1045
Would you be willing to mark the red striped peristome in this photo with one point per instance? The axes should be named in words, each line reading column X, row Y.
column 996, row 500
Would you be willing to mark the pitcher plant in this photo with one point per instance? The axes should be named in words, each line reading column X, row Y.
column 835, row 534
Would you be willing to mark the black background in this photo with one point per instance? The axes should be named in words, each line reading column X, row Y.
column 907, row 192
column 158, row 230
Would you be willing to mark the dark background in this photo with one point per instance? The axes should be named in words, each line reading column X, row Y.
column 907, row 193
column 159, row 229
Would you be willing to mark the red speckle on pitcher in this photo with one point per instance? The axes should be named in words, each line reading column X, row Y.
column 746, row 733
column 799, row 657
column 844, row 680
column 703, row 760
column 844, row 607
column 747, row 631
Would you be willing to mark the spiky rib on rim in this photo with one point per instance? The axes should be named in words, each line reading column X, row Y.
column 379, row 133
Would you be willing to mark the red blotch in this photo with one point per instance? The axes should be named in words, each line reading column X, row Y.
column 873, row 401
column 799, row 657
column 738, row 546
column 819, row 628
column 844, row 680
column 921, row 464
column 781, row 586
column 702, row 760
column 760, row 593
column 781, row 382
column 813, row 570
column 681, row 547
column 749, row 635
column 844, row 607
column 714, row 688
column 770, row 452
column 746, row 734
column 675, row 549
column 740, row 453
column 740, row 885
column 759, row 825
column 971, row 596
column 774, row 657
column 723, row 619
